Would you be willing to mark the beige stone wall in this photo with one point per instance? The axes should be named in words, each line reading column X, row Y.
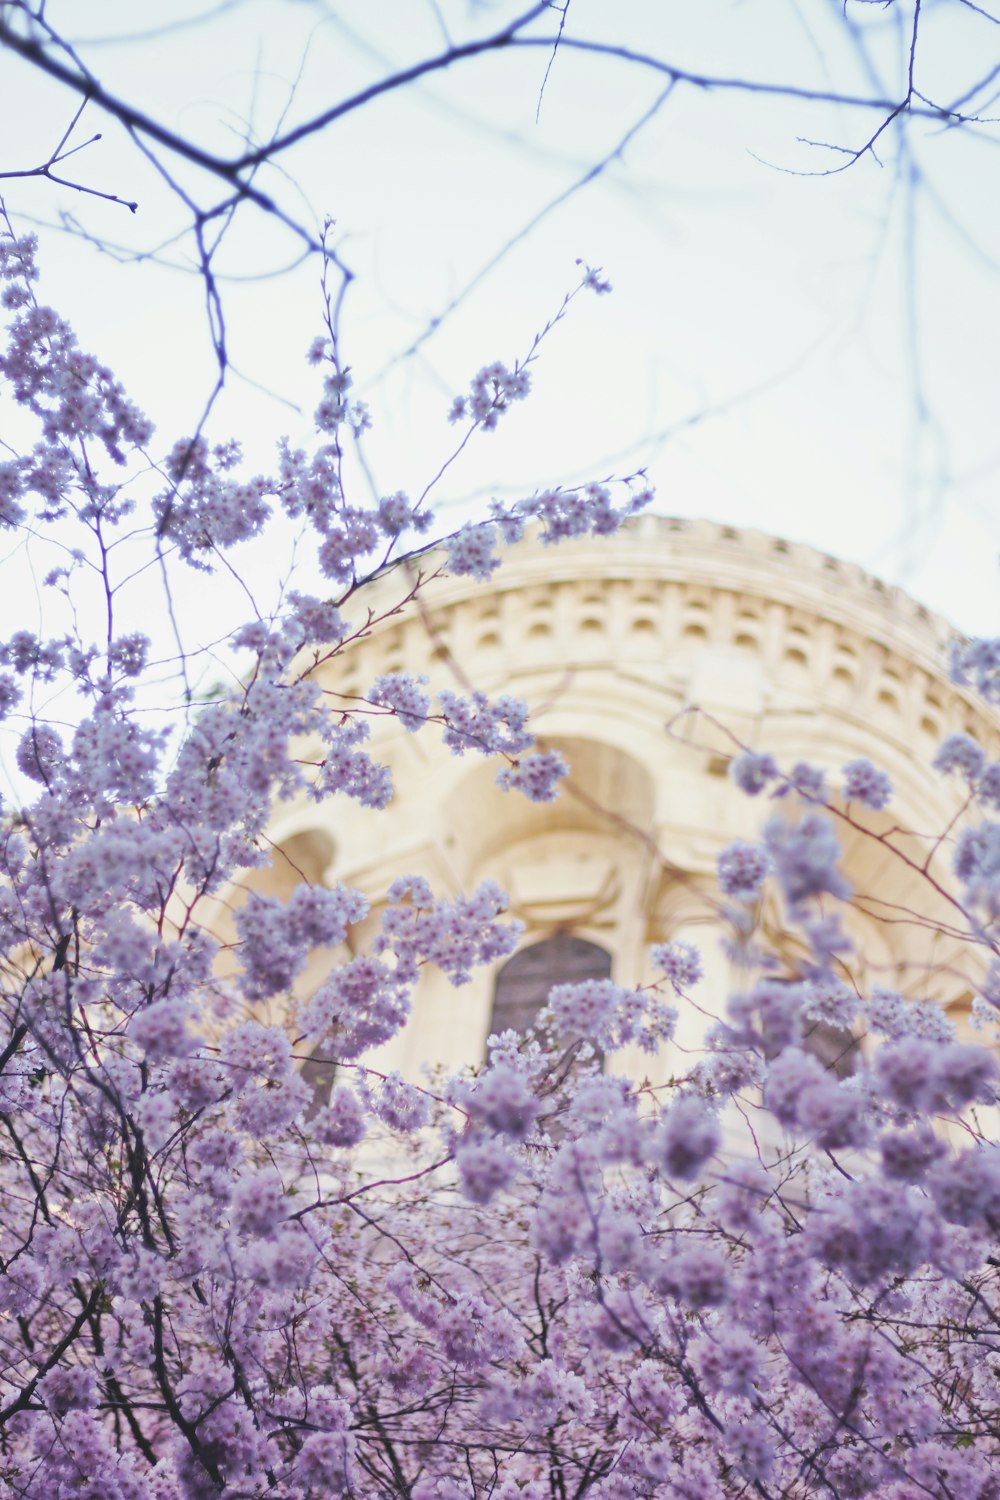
column 647, row 659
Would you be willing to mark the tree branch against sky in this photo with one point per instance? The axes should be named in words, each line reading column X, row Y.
column 771, row 187
column 238, row 130
column 841, row 81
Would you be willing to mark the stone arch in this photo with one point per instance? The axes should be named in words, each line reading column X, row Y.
column 609, row 790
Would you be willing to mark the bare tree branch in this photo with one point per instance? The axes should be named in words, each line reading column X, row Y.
column 44, row 169
column 231, row 170
column 526, row 229
column 548, row 68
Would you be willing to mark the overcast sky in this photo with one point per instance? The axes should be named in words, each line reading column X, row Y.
column 814, row 355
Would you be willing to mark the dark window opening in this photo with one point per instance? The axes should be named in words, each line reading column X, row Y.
column 319, row 1071
column 836, row 1047
column 523, row 984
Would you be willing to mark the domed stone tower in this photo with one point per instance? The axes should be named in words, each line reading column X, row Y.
column 649, row 659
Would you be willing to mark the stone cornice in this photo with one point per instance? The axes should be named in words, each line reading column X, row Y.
column 642, row 601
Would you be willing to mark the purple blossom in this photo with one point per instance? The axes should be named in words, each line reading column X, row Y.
column 316, row 621
column 508, row 522
column 903, row 1073
column 395, row 513
column 412, row 888
column 492, row 391
column 989, row 987
column 40, row 754
column 585, row 1010
column 977, row 861
column 743, row 868
column 251, row 1051
column 680, row 962
column 567, row 513
column 475, row 723
column 399, row 1104
column 353, row 535
column 405, row 696
column 789, row 1078
column 887, row 1012
column 325, row 1462
column 988, row 785
column 72, row 1389
column 485, row 1168
column 964, row 1075
column 978, row 662
column 908, row 1154
column 689, row 1136
column 347, row 769
column 472, row 552
column 804, row 856
column 360, row 1005
column 866, row 784
column 752, row 772
column 537, row 776
column 258, row 1203
column 966, row 1189
column 832, row 1112
column 454, row 935
column 342, row 1121
column 700, row 1275
column 873, row 1231
column 808, row 781
column 727, row 1359
column 503, row 1101
column 10, row 694
column 161, row 1030
column 829, row 1001
column 276, row 938
column 959, row 752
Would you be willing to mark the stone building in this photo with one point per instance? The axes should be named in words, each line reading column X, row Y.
column 648, row 660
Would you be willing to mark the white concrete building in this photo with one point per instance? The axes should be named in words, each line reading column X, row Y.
column 648, row 659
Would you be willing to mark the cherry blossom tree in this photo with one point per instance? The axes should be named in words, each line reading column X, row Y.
column 537, row 1279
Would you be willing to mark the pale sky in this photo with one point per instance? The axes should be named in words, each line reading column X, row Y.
column 758, row 354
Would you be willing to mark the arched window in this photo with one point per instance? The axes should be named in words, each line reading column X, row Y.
column 524, row 982
column 319, row 1071
column 836, row 1047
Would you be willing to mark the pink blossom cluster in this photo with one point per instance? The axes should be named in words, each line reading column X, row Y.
column 241, row 1260
column 492, row 392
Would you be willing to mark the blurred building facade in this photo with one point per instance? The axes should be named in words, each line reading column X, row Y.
column 648, row 659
